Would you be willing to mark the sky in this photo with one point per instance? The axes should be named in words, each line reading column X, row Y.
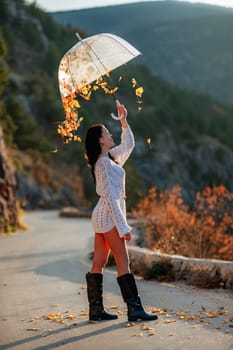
column 55, row 5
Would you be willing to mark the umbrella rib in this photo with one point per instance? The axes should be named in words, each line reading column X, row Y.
column 71, row 75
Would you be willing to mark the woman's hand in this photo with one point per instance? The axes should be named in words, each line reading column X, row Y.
column 127, row 236
column 122, row 112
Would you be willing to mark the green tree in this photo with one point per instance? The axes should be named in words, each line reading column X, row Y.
column 51, row 59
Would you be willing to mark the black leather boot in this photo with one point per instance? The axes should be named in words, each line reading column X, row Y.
column 95, row 298
column 130, row 295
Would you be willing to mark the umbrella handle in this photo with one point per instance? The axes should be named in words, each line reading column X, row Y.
column 118, row 107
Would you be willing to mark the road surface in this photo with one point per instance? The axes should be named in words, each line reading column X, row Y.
column 44, row 304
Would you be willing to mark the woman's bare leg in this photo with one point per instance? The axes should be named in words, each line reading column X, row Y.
column 119, row 251
column 101, row 253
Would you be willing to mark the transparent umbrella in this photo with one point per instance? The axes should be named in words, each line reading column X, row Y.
column 92, row 58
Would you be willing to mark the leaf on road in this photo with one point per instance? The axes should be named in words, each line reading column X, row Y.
column 131, row 324
column 158, row 311
column 145, row 328
column 32, row 320
column 71, row 317
column 169, row 321
column 59, row 318
column 47, row 332
column 83, row 313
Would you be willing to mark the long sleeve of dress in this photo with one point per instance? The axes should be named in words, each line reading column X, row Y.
column 107, row 176
column 122, row 152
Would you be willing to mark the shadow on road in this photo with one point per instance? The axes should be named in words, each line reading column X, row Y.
column 66, row 341
column 67, row 269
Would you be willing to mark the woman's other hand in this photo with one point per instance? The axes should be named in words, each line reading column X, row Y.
column 127, row 236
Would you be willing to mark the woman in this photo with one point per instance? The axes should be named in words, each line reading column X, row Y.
column 109, row 219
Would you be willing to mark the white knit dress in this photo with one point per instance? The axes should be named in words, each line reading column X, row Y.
column 110, row 210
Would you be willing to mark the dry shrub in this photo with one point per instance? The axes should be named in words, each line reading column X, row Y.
column 204, row 231
column 161, row 271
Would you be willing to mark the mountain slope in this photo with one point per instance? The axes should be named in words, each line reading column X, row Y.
column 186, row 44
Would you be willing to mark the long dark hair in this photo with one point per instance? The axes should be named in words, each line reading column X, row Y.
column 92, row 145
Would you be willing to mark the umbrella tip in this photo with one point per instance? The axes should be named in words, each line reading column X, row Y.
column 78, row 36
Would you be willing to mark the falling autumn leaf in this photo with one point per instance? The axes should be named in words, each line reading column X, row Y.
column 134, row 82
column 69, row 127
column 76, row 104
column 139, row 91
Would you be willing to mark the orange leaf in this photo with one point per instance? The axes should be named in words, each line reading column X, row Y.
column 139, row 91
column 134, row 82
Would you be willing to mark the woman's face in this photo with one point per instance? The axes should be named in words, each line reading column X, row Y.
column 106, row 139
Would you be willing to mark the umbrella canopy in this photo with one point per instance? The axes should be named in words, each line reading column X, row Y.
column 91, row 58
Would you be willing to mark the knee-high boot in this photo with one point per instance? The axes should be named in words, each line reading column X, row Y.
column 95, row 298
column 130, row 295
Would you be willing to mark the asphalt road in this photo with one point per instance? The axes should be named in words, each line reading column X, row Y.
column 43, row 302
